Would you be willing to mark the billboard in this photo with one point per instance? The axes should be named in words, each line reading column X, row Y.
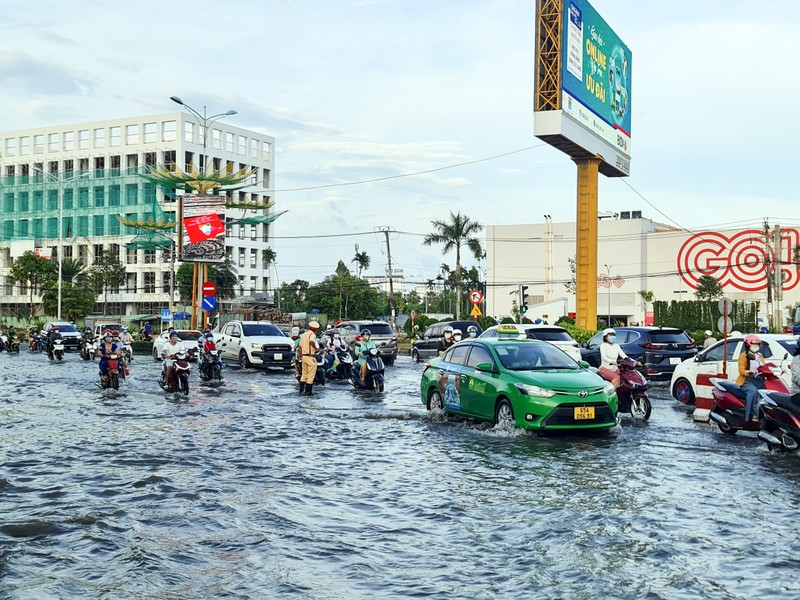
column 593, row 71
column 203, row 229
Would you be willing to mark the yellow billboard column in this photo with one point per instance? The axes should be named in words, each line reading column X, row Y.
column 586, row 244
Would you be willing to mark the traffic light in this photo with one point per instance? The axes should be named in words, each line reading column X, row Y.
column 523, row 299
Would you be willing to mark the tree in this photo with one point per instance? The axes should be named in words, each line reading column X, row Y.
column 647, row 297
column 224, row 275
column 708, row 289
column 570, row 285
column 73, row 270
column 76, row 300
column 293, row 295
column 268, row 256
column 454, row 234
column 106, row 273
column 362, row 261
column 33, row 271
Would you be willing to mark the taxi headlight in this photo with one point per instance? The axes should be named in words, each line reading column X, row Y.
column 609, row 389
column 535, row 390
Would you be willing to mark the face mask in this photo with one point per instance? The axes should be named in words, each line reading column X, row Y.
column 108, row 338
column 473, row 334
column 754, row 348
column 612, row 339
column 447, row 334
column 457, row 337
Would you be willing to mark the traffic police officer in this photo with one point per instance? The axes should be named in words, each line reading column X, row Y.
column 308, row 351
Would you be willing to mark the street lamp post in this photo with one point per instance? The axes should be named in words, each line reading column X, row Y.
column 608, row 273
column 61, row 183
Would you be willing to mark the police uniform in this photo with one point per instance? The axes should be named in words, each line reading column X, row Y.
column 308, row 352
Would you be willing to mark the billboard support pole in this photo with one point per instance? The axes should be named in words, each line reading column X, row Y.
column 586, row 243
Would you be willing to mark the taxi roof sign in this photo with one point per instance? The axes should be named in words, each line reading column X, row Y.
column 507, row 330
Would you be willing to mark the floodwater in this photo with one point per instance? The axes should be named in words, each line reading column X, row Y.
column 250, row 491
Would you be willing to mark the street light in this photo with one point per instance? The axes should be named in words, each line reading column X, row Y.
column 204, row 121
column 61, row 182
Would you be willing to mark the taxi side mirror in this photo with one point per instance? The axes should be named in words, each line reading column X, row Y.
column 584, row 364
column 485, row 367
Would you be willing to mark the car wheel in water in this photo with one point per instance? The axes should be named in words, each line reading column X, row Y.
column 504, row 415
column 435, row 401
column 682, row 391
column 415, row 355
column 244, row 362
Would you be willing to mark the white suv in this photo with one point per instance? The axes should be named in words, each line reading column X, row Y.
column 553, row 334
column 254, row 344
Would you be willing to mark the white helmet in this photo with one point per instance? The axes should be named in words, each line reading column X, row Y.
column 609, row 331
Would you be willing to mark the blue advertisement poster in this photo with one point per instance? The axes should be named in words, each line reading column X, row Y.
column 596, row 74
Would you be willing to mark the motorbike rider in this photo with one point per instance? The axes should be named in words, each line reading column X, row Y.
column 126, row 340
column 147, row 331
column 472, row 331
column 456, row 336
column 610, row 353
column 104, row 350
column 363, row 346
column 52, row 337
column 208, row 345
column 447, row 341
column 308, row 350
column 12, row 333
column 173, row 346
column 749, row 362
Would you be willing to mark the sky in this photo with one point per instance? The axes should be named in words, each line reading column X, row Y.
column 432, row 98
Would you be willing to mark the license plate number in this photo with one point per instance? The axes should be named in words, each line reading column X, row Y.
column 278, row 356
column 674, row 360
column 583, row 413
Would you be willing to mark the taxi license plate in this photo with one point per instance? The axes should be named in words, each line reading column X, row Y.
column 675, row 360
column 278, row 356
column 583, row 413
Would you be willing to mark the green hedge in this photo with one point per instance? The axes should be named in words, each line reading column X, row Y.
column 699, row 315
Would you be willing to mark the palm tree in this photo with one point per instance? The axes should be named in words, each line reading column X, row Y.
column 454, row 234
column 73, row 270
column 225, row 276
column 362, row 260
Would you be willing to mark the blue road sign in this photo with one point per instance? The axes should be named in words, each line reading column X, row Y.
column 165, row 315
column 209, row 303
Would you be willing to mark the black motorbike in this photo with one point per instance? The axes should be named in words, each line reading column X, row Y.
column 374, row 379
column 87, row 348
column 341, row 369
column 780, row 422
column 179, row 382
column 210, row 366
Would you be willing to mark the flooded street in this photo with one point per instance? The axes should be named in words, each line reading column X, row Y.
column 250, row 491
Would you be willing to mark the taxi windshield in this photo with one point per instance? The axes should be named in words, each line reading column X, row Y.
column 527, row 356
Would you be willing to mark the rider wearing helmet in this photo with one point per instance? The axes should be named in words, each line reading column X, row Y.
column 54, row 335
column 125, row 337
column 750, row 382
column 610, row 353
column 457, row 335
column 364, row 344
column 106, row 347
column 308, row 350
column 447, row 341
column 170, row 348
column 472, row 331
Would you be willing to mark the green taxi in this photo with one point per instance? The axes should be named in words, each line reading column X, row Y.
column 525, row 383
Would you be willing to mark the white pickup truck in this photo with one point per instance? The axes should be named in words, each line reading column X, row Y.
column 254, row 344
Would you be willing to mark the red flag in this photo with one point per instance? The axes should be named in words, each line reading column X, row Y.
column 203, row 227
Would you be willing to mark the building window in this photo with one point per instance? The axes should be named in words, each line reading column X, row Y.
column 132, row 162
column 8, row 205
column 52, row 227
column 113, row 225
column 22, row 204
column 265, row 178
column 38, row 144
column 83, row 253
column 130, row 283
column 165, row 282
column 150, row 133
column 131, row 193
column 131, row 134
column 68, row 204
column 189, row 158
column 100, row 138
column 266, row 150
column 253, row 258
column 188, row 132
column 83, row 139
column 149, row 257
column 38, row 201
column 52, row 199
column 83, row 226
column 99, row 166
column 113, row 136
column 114, row 195
column 83, row 165
column 254, row 148
column 216, row 139
column 83, row 198
column 150, row 159
column 242, row 145
column 11, row 147
column 24, row 145
column 253, row 235
column 149, row 282
column 68, row 167
column 99, row 196
column 52, row 142
column 98, row 251
column 69, row 140
column 168, row 129
column 265, row 232
column 229, row 142
column 116, row 162
column 241, row 257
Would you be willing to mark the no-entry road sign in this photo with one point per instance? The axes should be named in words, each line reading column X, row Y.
column 209, row 289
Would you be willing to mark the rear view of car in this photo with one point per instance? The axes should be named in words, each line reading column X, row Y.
column 664, row 348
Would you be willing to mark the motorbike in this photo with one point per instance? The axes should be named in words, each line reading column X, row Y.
column 37, row 343
column 342, row 367
column 145, row 337
column 780, row 423
column 320, row 376
column 58, row 350
column 112, row 379
column 12, row 343
column 632, row 391
column 88, row 349
column 179, row 382
column 211, row 366
column 730, row 400
column 374, row 379
column 3, row 340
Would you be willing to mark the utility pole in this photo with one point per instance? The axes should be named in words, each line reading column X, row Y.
column 768, row 271
column 392, row 303
column 778, row 278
